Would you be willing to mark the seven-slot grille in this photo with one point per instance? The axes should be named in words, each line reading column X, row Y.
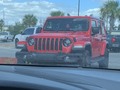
column 48, row 44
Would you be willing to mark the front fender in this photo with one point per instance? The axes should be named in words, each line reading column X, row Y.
column 81, row 45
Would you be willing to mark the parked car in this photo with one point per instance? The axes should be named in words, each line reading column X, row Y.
column 6, row 36
column 114, row 40
column 21, row 38
column 68, row 39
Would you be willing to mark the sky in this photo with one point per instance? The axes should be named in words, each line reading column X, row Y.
column 14, row 10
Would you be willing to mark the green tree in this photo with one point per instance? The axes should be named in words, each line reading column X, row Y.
column 57, row 13
column 29, row 20
column 110, row 12
column 17, row 28
column 1, row 24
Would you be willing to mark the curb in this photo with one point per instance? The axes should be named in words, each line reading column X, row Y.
column 6, row 60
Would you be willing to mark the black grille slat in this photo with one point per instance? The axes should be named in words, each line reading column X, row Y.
column 52, row 44
column 48, row 43
column 60, row 44
column 56, row 44
column 43, row 44
column 40, row 44
column 35, row 46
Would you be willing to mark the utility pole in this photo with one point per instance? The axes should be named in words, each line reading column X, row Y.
column 78, row 7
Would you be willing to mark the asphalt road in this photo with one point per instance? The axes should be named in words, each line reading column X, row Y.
column 7, row 50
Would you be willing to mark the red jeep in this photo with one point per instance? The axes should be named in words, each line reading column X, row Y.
column 68, row 39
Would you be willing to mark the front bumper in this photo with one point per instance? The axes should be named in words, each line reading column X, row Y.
column 43, row 58
column 114, row 45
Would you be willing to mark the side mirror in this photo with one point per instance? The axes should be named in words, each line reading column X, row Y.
column 95, row 30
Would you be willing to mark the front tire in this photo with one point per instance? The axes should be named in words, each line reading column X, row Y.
column 104, row 63
column 20, row 58
column 85, row 59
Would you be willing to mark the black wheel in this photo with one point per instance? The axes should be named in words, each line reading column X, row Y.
column 85, row 59
column 20, row 58
column 16, row 41
column 104, row 63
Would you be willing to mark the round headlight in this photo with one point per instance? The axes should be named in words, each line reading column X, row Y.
column 31, row 41
column 67, row 42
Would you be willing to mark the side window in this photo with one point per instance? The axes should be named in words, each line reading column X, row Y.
column 99, row 26
column 38, row 30
column 103, row 28
column 29, row 31
column 94, row 24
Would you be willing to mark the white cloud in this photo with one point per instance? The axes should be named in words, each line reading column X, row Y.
column 102, row 1
column 95, row 12
column 4, row 1
column 14, row 11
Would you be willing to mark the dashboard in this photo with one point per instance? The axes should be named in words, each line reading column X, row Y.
column 57, row 78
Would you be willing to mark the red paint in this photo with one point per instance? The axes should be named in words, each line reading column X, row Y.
column 78, row 38
column 103, row 48
column 21, row 43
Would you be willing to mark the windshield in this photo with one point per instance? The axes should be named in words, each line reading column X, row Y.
column 29, row 31
column 67, row 24
column 60, row 33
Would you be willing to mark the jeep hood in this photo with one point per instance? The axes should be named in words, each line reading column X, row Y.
column 65, row 34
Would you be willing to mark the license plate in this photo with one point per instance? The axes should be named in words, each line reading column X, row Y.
column 115, row 45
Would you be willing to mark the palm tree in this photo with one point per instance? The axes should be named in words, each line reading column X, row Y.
column 57, row 13
column 109, row 11
column 1, row 24
column 29, row 20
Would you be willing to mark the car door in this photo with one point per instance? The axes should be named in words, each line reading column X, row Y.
column 95, row 40
column 27, row 33
column 103, row 35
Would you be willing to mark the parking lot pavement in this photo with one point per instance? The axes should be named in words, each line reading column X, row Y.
column 114, row 60
column 8, row 44
column 8, row 49
column 8, row 52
